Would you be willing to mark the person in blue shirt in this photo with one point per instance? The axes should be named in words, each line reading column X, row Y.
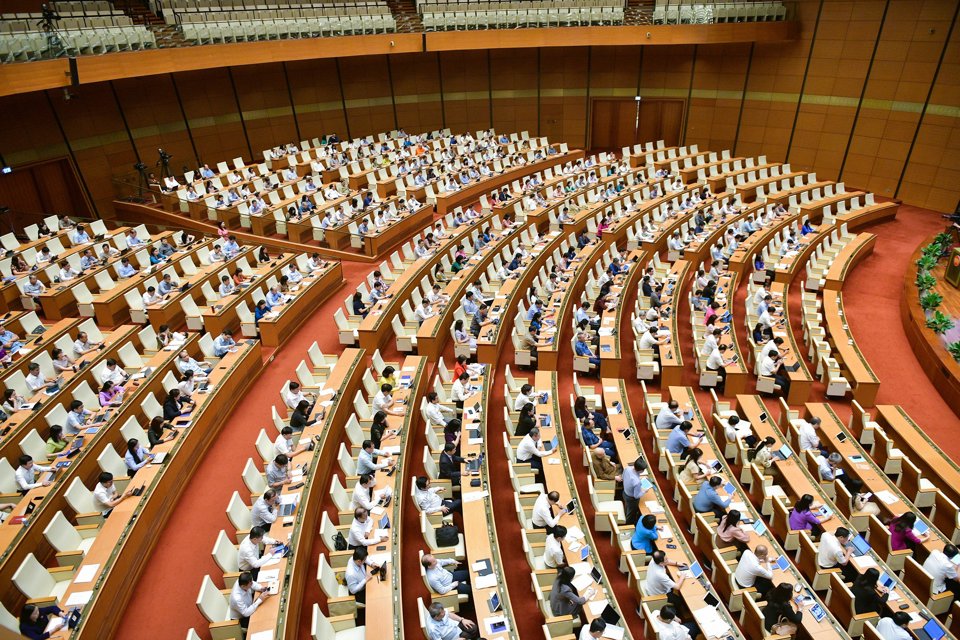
column 758, row 263
column 155, row 257
column 274, row 297
column 707, row 498
column 535, row 323
column 591, row 440
column 645, row 534
column 9, row 340
column 88, row 260
column 582, row 348
column 231, row 247
column 470, row 307
column 677, row 442
column 126, row 270
column 224, row 344
column 206, row 171
column 80, row 235
column 261, row 310
column 806, row 228
column 166, row 249
column 633, row 489
column 167, row 285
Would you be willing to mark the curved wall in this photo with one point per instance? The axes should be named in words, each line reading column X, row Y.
column 867, row 93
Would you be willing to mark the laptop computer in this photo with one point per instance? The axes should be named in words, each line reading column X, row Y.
column 550, row 446
column 887, row 581
column 860, row 546
column 384, row 522
column 759, row 528
column 596, row 575
column 782, row 563
column 473, row 464
column 571, row 506
column 545, row 420
column 584, row 552
column 930, row 631
column 610, row 615
column 729, row 488
column 287, row 509
column 783, row 453
column 696, row 570
column 792, row 367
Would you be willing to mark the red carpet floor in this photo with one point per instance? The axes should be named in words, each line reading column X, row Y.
column 166, row 592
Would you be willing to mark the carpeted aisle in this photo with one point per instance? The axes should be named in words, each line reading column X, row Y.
column 871, row 295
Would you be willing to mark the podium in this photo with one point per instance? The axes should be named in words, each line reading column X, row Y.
column 952, row 274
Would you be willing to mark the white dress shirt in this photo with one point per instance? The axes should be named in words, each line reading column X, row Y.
column 528, row 448
column 116, row 376
column 364, row 498
column 750, row 568
column 27, row 478
column 889, row 630
column 102, row 497
column 543, row 514
column 808, row 436
column 429, row 500
column 658, row 582
column 248, row 554
column 434, row 412
column 359, row 531
column 292, row 399
column 715, row 361
column 667, row 419
column 244, row 603
column 356, row 577
column 36, row 381
column 459, row 392
column 672, row 630
column 521, row 401
column 553, row 553
column 262, row 514
column 768, row 368
column 940, row 567
column 830, row 553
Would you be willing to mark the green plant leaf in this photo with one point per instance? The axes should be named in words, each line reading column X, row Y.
column 930, row 300
column 939, row 322
column 954, row 349
column 925, row 281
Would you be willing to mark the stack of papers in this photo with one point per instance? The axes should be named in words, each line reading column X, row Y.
column 886, row 496
column 654, row 506
column 473, row 496
column 86, row 573
column 78, row 599
column 583, row 582
column 596, row 607
column 574, row 533
column 485, row 582
column 710, row 622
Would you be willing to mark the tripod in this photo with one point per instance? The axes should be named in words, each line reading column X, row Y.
column 143, row 182
column 56, row 43
column 164, row 164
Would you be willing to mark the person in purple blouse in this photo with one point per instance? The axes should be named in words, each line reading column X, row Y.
column 802, row 519
column 902, row 535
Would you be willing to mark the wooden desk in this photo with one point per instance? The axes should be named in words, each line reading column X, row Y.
column 479, row 526
column 829, row 627
column 559, row 477
column 314, row 290
column 801, row 380
column 718, row 183
column 858, row 463
column 611, row 358
column 378, row 241
column 795, row 480
column 748, row 190
column 690, row 174
column 282, row 613
column 656, row 503
column 742, row 259
column 861, row 377
column 448, row 201
column 849, row 256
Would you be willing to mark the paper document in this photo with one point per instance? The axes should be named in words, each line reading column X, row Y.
column 596, row 607
column 394, row 451
column 574, row 533
column 377, row 511
column 261, row 635
column 473, row 496
column 86, row 573
column 78, row 599
column 554, row 461
column 379, row 559
column 886, row 496
column 863, row 562
column 613, row 632
column 582, row 568
column 582, row 583
column 289, row 498
column 496, row 625
column 485, row 582
column 654, row 506
column 381, row 533
column 611, row 389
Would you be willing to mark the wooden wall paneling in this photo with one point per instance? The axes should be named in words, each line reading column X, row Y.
column 664, row 74
column 155, row 119
column 613, row 76
column 774, row 87
column 91, row 120
column 932, row 176
column 466, row 89
column 839, row 63
column 29, row 132
column 366, row 89
column 514, row 92
column 563, row 94
column 718, row 80
column 417, row 91
column 265, row 102
column 211, row 107
column 315, row 87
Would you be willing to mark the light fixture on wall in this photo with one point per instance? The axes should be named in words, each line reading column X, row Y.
column 638, row 98
column 4, row 167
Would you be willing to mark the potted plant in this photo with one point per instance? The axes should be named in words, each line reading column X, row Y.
column 939, row 322
column 925, row 263
column 945, row 241
column 930, row 300
column 925, row 281
column 954, row 349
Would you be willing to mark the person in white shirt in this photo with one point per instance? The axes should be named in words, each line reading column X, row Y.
column 711, row 342
column 460, row 390
column 669, row 416
column 429, row 500
column 186, row 363
column 26, row 474
column 66, row 272
column 754, row 570
column 833, row 552
column 105, row 495
column 554, row 555
column 365, row 496
column 367, row 455
column 526, row 396
column 264, row 510
column 294, row 395
column 531, row 450
column 545, row 513
column 36, row 380
column 423, row 311
column 807, row 433
column 434, row 411
column 249, row 557
column 150, row 296
column 246, row 597
column 82, row 345
column 284, row 444
column 383, row 401
column 658, row 582
column 442, row 580
column 940, row 566
column 670, row 626
column 113, row 373
column 896, row 627
column 360, row 528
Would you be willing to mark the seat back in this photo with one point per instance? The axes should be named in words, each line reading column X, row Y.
column 327, row 578
column 32, row 579
column 253, row 478
column 265, row 446
column 79, row 497
column 110, row 461
column 225, row 553
column 61, row 535
column 34, row 446
column 211, row 602
column 131, row 430
column 239, row 513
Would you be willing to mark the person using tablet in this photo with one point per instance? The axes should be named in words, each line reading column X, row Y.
column 754, row 570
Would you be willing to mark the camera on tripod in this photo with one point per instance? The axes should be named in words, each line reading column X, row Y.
column 48, row 16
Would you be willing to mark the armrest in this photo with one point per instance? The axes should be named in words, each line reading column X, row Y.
column 89, row 519
column 339, row 623
column 88, row 530
column 43, row 602
column 61, row 573
column 69, row 559
column 230, row 578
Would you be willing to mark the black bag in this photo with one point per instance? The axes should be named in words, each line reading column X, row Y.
column 448, row 535
column 339, row 542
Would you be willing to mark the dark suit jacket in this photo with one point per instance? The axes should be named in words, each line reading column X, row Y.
column 450, row 467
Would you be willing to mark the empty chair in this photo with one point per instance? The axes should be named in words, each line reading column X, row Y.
column 343, row 629
column 71, row 543
column 37, row 582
